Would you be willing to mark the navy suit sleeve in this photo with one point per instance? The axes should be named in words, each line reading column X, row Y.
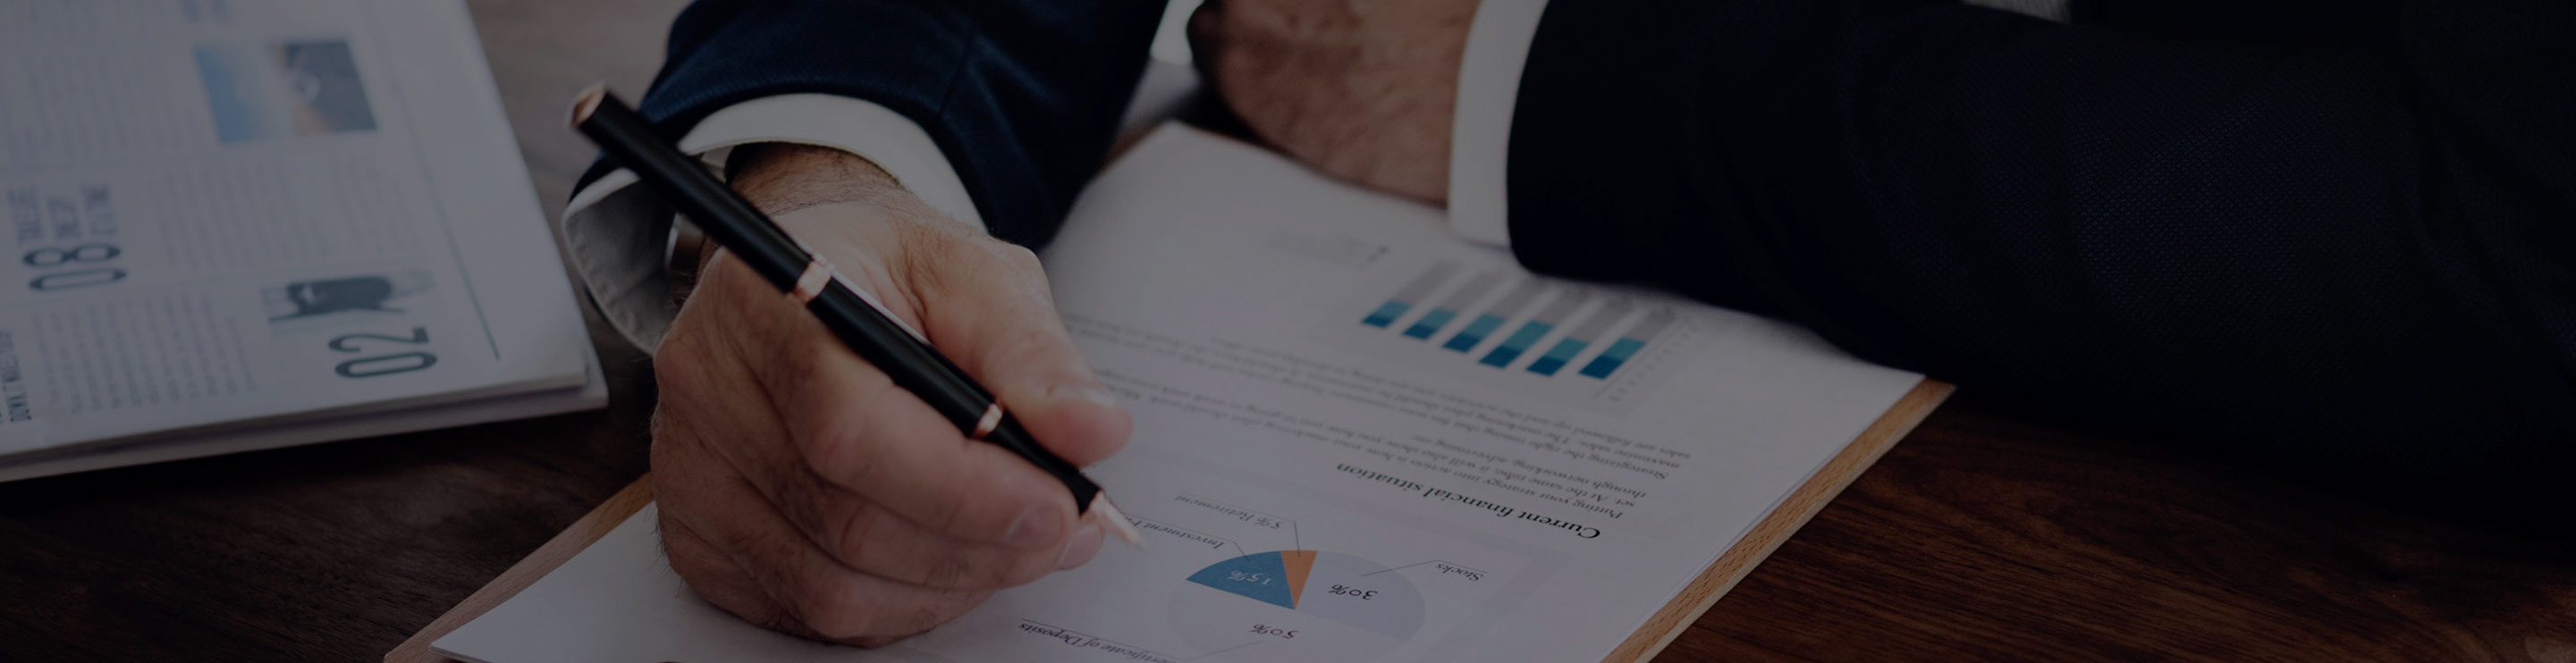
column 1023, row 96
column 2343, row 254
column 2312, row 22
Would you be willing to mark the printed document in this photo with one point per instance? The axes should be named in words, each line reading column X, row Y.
column 1357, row 439
column 219, row 215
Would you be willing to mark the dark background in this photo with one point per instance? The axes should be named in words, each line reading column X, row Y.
column 1984, row 536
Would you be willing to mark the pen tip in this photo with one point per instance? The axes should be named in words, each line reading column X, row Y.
column 1118, row 525
column 587, row 103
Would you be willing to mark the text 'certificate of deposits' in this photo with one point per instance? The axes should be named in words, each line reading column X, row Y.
column 228, row 211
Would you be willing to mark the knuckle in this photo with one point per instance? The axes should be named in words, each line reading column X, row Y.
column 797, row 366
column 988, row 569
column 663, row 427
column 779, row 619
column 695, row 570
column 834, row 442
column 833, row 609
column 954, row 570
column 708, row 579
column 670, row 449
column 920, row 619
column 741, row 540
column 681, row 361
column 841, row 456
column 949, row 514
column 689, row 552
column 711, row 575
column 860, row 537
column 804, row 500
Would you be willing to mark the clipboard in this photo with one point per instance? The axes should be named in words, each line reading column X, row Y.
column 1695, row 599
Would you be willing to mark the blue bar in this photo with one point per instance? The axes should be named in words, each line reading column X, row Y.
column 1557, row 357
column 1431, row 323
column 1610, row 360
column 1518, row 343
column 1474, row 333
column 1387, row 313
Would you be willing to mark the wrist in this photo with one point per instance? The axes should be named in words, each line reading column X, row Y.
column 780, row 178
column 783, row 178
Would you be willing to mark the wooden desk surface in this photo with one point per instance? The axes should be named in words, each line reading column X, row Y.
column 1979, row 538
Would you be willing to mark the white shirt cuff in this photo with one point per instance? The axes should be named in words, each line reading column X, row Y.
column 1489, row 86
column 619, row 237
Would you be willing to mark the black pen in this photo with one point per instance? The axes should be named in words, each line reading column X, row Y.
column 853, row 315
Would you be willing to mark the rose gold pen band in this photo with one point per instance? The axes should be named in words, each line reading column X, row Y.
column 810, row 285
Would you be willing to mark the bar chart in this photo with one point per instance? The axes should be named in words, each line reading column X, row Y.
column 1404, row 300
column 1573, row 344
column 1500, row 326
column 1493, row 317
column 1628, row 345
column 1532, row 330
column 1448, row 309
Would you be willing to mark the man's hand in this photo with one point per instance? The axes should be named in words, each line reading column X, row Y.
column 804, row 491
column 1361, row 90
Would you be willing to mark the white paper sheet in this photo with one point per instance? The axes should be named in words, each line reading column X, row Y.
column 221, row 213
column 1322, row 474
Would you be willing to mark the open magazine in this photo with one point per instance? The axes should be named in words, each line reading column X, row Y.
column 235, row 224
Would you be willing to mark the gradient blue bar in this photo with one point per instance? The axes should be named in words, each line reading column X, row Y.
column 1474, row 333
column 1403, row 300
column 1610, row 360
column 1386, row 313
column 1518, row 343
column 1431, row 323
column 1557, row 357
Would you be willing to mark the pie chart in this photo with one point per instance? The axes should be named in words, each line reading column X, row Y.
column 1297, row 605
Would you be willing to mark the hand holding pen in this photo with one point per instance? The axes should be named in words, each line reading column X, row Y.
column 806, row 489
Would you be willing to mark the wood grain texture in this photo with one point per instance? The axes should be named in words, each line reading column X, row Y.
column 1991, row 539
column 1981, row 537
column 590, row 529
column 1765, row 537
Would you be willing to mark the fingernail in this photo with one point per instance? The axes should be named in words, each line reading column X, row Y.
column 1080, row 550
column 1035, row 527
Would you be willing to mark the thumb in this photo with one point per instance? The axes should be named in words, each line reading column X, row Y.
column 986, row 306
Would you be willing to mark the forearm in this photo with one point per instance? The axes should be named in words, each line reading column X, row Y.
column 978, row 77
column 942, row 96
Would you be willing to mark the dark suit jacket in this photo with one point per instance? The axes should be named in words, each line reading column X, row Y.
column 2332, row 236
